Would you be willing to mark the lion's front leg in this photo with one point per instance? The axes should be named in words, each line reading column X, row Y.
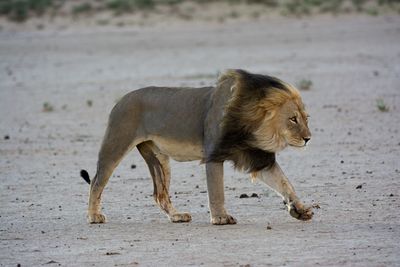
column 277, row 180
column 215, row 186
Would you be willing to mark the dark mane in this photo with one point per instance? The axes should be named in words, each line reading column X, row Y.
column 243, row 115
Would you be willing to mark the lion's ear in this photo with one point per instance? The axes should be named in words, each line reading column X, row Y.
column 232, row 78
column 228, row 75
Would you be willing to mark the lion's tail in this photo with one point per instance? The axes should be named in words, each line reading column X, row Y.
column 85, row 176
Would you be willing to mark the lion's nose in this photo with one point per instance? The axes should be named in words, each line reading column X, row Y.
column 306, row 139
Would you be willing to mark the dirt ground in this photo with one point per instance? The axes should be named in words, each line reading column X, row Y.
column 57, row 88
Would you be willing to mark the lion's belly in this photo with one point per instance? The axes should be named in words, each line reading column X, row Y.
column 179, row 151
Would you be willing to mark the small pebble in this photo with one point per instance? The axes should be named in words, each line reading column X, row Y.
column 112, row 253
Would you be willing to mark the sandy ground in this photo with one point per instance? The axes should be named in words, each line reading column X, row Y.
column 352, row 61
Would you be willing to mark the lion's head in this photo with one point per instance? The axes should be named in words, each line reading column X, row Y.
column 285, row 122
column 263, row 116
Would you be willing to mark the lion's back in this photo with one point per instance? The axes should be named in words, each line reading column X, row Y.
column 172, row 111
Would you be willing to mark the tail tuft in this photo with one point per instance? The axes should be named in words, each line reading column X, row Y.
column 85, row 176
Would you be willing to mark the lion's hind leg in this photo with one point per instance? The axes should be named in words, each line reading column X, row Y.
column 117, row 142
column 159, row 168
column 104, row 171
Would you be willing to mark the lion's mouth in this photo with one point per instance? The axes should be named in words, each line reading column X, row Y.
column 298, row 145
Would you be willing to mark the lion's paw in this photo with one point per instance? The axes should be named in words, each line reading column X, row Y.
column 300, row 212
column 96, row 218
column 224, row 219
column 180, row 217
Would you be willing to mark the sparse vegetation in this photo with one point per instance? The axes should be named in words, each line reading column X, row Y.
column 234, row 14
column 126, row 6
column 82, row 8
column 380, row 104
column 304, row 84
column 331, row 6
column 21, row 10
column 103, row 22
column 89, row 103
column 372, row 11
column 47, row 107
column 296, row 8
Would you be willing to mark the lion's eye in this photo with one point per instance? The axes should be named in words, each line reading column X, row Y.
column 293, row 119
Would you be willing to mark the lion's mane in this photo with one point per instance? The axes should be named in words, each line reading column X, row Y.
column 255, row 98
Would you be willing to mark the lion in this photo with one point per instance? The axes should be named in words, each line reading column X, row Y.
column 246, row 119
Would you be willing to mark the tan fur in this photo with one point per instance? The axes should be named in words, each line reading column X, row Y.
column 245, row 119
column 272, row 134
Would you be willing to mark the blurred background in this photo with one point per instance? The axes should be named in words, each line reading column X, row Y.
column 149, row 12
column 64, row 65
